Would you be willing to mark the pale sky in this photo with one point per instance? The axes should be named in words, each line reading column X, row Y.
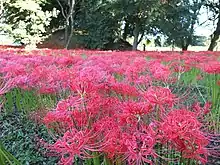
column 207, row 28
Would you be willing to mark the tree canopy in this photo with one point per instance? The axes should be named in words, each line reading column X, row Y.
column 99, row 23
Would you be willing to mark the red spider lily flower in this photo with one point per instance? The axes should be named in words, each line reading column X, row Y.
column 66, row 61
column 159, row 71
column 113, row 105
column 218, row 83
column 140, row 147
column 47, row 89
column 134, row 69
column 144, row 80
column 125, row 89
column 159, row 96
column 63, row 105
column 21, row 81
column 71, row 144
column 211, row 67
column 136, row 108
column 100, row 106
column 180, row 67
column 6, row 86
column 112, row 136
column 182, row 130
column 68, row 112
column 132, row 112
column 58, row 117
column 82, row 86
column 202, row 111
column 13, row 69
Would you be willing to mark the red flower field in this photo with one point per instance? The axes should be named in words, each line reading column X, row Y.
column 118, row 107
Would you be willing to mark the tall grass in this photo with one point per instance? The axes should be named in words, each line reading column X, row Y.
column 26, row 101
column 7, row 158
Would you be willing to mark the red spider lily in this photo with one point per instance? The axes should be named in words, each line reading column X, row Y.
column 58, row 117
column 112, row 135
column 134, row 69
column 113, row 101
column 180, row 67
column 136, row 108
column 202, row 111
column 140, row 147
column 69, row 113
column 218, row 83
column 159, row 71
column 71, row 144
column 211, row 67
column 5, row 87
column 132, row 112
column 125, row 89
column 160, row 96
column 13, row 69
column 143, row 80
column 182, row 130
column 82, row 86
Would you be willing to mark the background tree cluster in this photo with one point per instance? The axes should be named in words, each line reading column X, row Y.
column 98, row 24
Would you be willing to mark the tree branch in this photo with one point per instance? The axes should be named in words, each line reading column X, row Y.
column 71, row 22
column 142, row 35
column 62, row 11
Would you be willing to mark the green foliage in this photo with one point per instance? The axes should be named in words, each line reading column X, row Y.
column 25, row 20
column 199, row 41
column 104, row 22
column 24, row 102
column 137, row 17
column 6, row 157
column 213, row 93
column 133, row 12
column 19, row 136
column 203, row 89
column 177, row 21
column 190, row 77
column 98, row 22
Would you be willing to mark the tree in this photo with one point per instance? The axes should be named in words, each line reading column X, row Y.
column 199, row 41
column 91, row 23
column 157, row 41
column 98, row 24
column 25, row 20
column 177, row 21
column 137, row 17
column 214, row 8
column 67, row 8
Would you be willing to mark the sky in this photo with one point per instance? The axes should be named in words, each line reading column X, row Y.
column 207, row 28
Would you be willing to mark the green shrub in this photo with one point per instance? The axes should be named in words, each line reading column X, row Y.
column 18, row 135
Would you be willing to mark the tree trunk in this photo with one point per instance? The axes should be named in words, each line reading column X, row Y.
column 136, row 35
column 139, row 41
column 215, row 36
column 66, row 16
column 70, row 34
column 185, row 43
column 66, row 33
column 214, row 40
column 185, row 47
column 70, row 22
column 125, row 33
column 144, row 47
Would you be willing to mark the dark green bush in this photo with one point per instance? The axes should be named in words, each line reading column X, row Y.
column 19, row 137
